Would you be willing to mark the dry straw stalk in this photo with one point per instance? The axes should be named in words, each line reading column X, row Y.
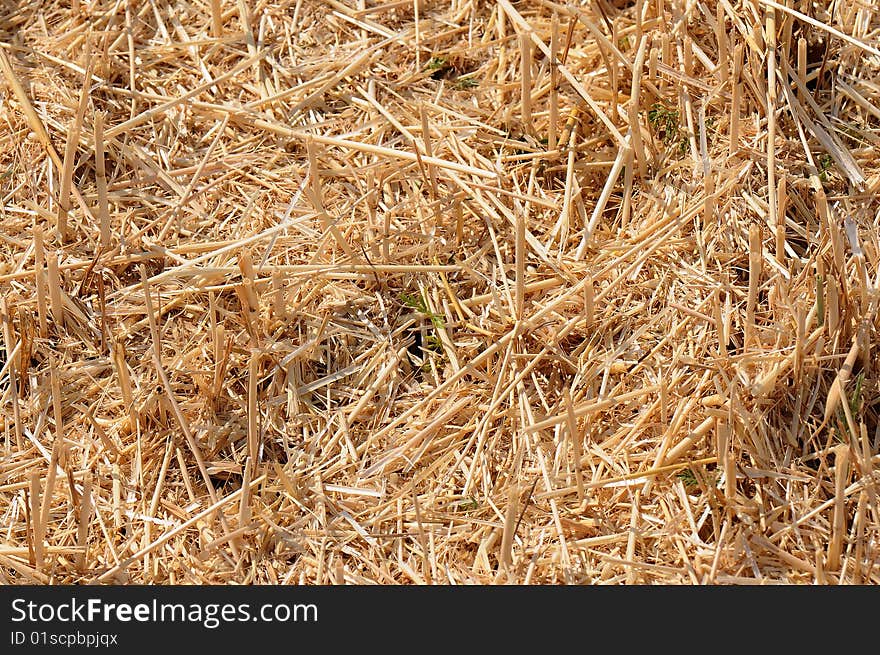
column 445, row 291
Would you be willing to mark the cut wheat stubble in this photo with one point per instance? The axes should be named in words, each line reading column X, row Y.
column 498, row 293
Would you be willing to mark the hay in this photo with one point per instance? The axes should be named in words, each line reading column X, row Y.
column 399, row 292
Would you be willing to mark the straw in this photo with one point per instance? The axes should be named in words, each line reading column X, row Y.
column 400, row 292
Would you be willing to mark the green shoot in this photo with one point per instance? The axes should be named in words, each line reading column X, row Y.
column 687, row 476
column 825, row 162
column 855, row 401
column 418, row 303
column 665, row 123
column 433, row 343
column 465, row 82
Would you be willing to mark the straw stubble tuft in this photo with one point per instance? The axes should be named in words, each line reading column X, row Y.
column 414, row 293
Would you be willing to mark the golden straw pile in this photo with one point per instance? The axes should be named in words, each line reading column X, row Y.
column 353, row 291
